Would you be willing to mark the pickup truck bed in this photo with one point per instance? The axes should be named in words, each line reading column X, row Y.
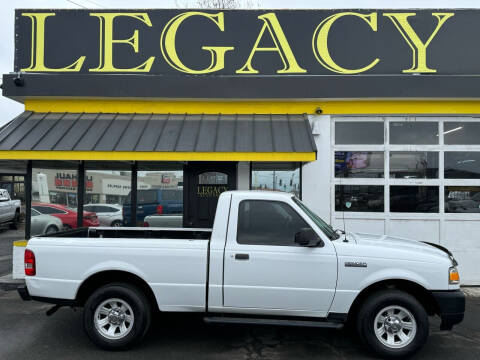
column 172, row 261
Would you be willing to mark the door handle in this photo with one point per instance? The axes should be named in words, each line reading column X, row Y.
column 242, row 257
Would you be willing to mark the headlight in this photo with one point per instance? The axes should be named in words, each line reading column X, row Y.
column 453, row 276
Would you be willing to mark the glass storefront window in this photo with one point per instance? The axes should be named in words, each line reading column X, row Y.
column 461, row 133
column 159, row 196
column 363, row 198
column 276, row 177
column 414, row 165
column 359, row 164
column 414, row 133
column 107, row 189
column 54, row 198
column 359, row 132
column 462, row 165
column 414, row 199
column 462, row 199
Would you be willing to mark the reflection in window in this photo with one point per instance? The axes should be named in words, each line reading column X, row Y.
column 462, row 199
column 461, row 133
column 414, row 199
column 212, row 178
column 276, row 177
column 413, row 133
column 359, row 132
column 159, row 196
column 54, row 195
column 268, row 223
column 105, row 193
column 359, row 164
column 364, row 198
column 462, row 165
column 414, row 165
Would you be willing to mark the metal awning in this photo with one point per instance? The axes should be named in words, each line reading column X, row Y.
column 162, row 137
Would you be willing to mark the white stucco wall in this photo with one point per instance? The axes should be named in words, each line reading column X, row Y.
column 316, row 174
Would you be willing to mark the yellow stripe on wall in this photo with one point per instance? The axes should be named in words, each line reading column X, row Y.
column 347, row 107
column 156, row 156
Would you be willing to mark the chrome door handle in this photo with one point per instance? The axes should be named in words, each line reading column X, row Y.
column 242, row 257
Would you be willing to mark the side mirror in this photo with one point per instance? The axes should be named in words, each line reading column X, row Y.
column 309, row 238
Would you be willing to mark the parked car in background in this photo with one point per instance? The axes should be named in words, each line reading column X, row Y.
column 154, row 201
column 44, row 224
column 108, row 214
column 165, row 220
column 9, row 210
column 67, row 215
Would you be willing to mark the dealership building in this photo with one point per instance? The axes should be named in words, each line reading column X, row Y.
column 371, row 117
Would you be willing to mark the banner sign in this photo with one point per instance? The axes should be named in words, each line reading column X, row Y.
column 241, row 43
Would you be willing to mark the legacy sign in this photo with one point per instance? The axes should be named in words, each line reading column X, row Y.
column 242, row 43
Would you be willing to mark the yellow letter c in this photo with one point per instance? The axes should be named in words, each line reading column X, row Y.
column 320, row 42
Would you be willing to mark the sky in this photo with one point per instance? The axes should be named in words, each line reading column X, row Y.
column 9, row 108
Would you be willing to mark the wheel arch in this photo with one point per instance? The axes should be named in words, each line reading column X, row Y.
column 99, row 279
column 416, row 290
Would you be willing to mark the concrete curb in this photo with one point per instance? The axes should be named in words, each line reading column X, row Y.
column 9, row 284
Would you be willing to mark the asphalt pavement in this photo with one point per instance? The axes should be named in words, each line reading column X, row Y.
column 27, row 333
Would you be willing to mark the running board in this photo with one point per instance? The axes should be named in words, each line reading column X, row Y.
column 277, row 322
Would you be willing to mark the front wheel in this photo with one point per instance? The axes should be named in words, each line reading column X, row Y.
column 117, row 316
column 393, row 324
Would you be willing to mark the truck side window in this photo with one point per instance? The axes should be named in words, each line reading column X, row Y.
column 262, row 222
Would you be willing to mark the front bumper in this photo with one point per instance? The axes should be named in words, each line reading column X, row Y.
column 451, row 307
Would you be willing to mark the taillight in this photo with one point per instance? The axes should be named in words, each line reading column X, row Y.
column 146, row 224
column 159, row 209
column 29, row 263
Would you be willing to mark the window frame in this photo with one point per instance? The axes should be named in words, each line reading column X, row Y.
column 440, row 182
column 270, row 201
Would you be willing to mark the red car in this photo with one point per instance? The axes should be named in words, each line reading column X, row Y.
column 68, row 216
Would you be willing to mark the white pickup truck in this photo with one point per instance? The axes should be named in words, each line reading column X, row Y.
column 9, row 210
column 267, row 260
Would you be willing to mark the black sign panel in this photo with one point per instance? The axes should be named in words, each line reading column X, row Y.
column 244, row 43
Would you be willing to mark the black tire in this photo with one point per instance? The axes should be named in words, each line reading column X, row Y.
column 136, row 300
column 380, row 300
column 51, row 229
column 15, row 221
column 116, row 223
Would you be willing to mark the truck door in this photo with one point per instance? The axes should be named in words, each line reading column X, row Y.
column 266, row 272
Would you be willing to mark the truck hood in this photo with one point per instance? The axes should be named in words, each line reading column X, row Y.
column 397, row 244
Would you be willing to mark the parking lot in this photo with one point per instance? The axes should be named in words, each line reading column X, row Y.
column 27, row 333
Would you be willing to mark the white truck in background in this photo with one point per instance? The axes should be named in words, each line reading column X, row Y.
column 267, row 260
column 9, row 210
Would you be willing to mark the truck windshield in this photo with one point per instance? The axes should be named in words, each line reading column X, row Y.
column 327, row 229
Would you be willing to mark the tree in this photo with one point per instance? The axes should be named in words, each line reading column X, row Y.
column 218, row 4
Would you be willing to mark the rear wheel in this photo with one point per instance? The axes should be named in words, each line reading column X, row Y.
column 116, row 223
column 51, row 229
column 15, row 221
column 393, row 324
column 117, row 316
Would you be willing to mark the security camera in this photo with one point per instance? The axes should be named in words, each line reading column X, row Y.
column 318, row 111
column 18, row 80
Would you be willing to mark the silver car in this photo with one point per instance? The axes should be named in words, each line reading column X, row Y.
column 108, row 214
column 44, row 224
